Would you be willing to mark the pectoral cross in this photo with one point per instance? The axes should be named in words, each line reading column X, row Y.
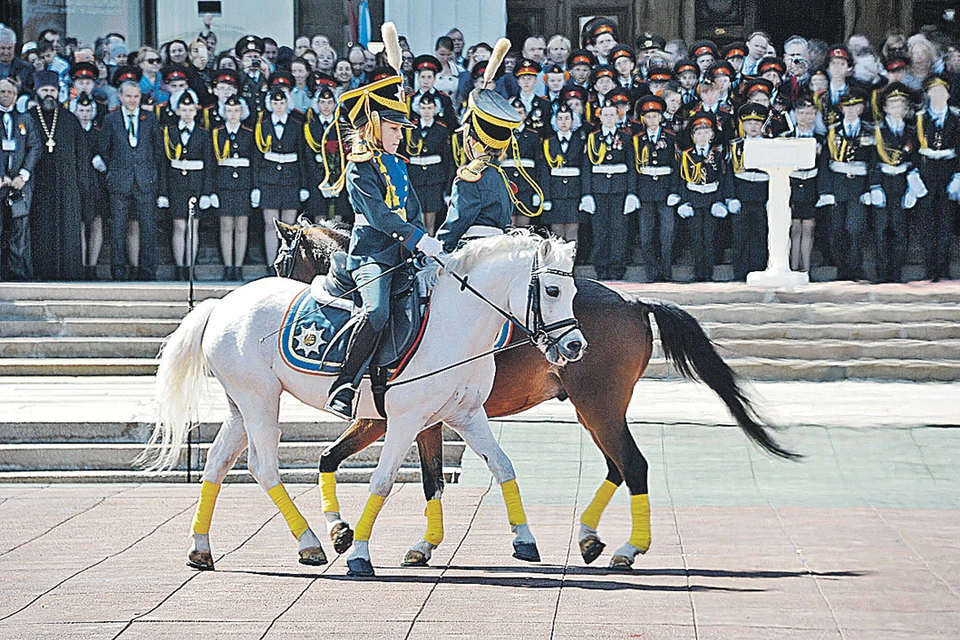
column 50, row 145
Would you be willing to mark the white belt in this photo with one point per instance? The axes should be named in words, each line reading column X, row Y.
column 655, row 171
column 360, row 220
column 422, row 161
column 849, row 168
column 752, row 176
column 526, row 163
column 565, row 172
column 482, row 231
column 894, row 169
column 804, row 174
column 703, row 188
column 234, row 162
column 609, row 168
column 280, row 158
column 938, row 154
column 187, row 165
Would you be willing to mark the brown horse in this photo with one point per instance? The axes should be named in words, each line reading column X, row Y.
column 600, row 386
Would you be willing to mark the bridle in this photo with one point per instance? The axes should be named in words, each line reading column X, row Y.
column 539, row 332
column 287, row 256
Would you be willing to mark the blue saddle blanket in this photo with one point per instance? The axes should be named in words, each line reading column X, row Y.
column 312, row 340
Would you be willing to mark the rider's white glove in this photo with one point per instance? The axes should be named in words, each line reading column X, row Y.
column 430, row 246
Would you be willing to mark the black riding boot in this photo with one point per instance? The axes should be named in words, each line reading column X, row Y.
column 343, row 392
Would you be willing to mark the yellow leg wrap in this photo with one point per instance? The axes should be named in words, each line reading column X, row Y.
column 328, row 492
column 204, row 514
column 640, row 509
column 511, row 497
column 370, row 513
column 434, row 513
column 591, row 515
column 296, row 521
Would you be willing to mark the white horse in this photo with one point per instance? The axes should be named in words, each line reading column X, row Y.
column 524, row 275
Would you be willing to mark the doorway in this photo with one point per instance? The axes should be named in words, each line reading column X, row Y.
column 821, row 19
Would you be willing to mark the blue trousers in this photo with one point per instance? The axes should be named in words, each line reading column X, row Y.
column 375, row 293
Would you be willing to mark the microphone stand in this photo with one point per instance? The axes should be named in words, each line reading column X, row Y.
column 191, row 214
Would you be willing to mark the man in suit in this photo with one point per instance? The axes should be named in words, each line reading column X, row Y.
column 19, row 154
column 10, row 65
column 131, row 155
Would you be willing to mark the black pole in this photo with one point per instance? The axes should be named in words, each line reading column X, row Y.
column 191, row 213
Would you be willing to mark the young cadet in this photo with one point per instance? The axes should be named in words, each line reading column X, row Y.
column 897, row 146
column 609, row 189
column 722, row 75
column 734, row 53
column 518, row 168
column 576, row 98
column 625, row 63
column 237, row 159
column 804, row 186
column 710, row 103
column 559, row 176
column 850, row 144
column 426, row 68
column 748, row 192
column 176, row 80
column 84, row 76
column 659, row 79
column 604, row 81
column 537, row 108
column 620, row 98
column 91, row 197
column 938, row 131
column 580, row 65
column 226, row 83
column 673, row 118
column 328, row 151
column 839, row 71
column 703, row 176
column 190, row 167
column 704, row 53
column 555, row 79
column 687, row 74
column 427, row 146
column 655, row 155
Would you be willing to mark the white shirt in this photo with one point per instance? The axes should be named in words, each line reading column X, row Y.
column 126, row 121
column 278, row 126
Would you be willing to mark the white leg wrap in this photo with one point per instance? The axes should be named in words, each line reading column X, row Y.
column 201, row 542
column 522, row 533
column 361, row 549
column 333, row 519
column 628, row 551
column 308, row 540
column 425, row 548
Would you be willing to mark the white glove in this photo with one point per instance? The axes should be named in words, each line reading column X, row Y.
column 877, row 197
column 99, row 164
column 953, row 189
column 587, row 204
column 673, row 200
column 915, row 182
column 304, row 194
column 733, row 206
column 865, row 198
column 204, row 203
column 163, row 202
column 685, row 210
column 214, row 201
column 327, row 191
column 826, row 200
column 535, row 200
column 446, row 200
column 909, row 200
column 631, row 204
column 430, row 246
column 255, row 198
column 547, row 205
column 718, row 210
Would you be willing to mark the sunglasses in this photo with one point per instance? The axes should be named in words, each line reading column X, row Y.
column 153, row 60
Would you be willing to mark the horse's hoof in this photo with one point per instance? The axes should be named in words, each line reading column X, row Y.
column 526, row 551
column 342, row 536
column 359, row 568
column 414, row 558
column 591, row 548
column 621, row 563
column 201, row 560
column 313, row 556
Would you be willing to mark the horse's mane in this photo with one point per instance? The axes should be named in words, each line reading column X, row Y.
column 517, row 242
column 335, row 236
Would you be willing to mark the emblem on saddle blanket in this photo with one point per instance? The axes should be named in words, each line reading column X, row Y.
column 313, row 340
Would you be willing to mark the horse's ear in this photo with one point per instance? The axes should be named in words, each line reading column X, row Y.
column 284, row 230
column 544, row 251
column 304, row 221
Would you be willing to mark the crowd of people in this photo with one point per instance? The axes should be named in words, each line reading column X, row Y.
column 620, row 147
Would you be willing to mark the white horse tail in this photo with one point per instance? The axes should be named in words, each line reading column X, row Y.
column 180, row 384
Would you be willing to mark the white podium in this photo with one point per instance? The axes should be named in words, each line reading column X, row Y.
column 778, row 157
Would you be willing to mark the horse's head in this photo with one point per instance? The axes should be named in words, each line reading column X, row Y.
column 305, row 248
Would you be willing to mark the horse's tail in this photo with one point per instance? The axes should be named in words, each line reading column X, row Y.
column 693, row 354
column 181, row 378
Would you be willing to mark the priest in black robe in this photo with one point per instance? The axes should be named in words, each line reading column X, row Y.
column 61, row 175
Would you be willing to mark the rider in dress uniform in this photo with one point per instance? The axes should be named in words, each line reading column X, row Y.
column 609, row 188
column 703, row 177
column 427, row 146
column 388, row 227
column 237, row 159
column 426, row 68
column 655, row 155
column 559, row 176
column 190, row 171
column 518, row 168
column 328, row 151
column 852, row 149
column 748, row 193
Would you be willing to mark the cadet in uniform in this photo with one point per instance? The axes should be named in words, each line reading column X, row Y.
column 559, row 175
column 518, row 169
column 537, row 108
column 189, row 169
column 703, row 177
column 748, row 192
column 237, row 158
column 604, row 81
column 91, row 198
column 850, row 143
column 609, row 193
column 226, row 83
column 580, row 64
column 625, row 63
column 804, row 186
column 427, row 67
column 427, row 145
column 84, row 76
column 176, row 80
column 328, row 152
column 688, row 75
column 655, row 154
column 253, row 88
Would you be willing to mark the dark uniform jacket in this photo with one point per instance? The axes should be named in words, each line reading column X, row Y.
column 127, row 165
column 483, row 202
column 273, row 172
column 430, row 154
column 654, row 157
column 896, row 156
column 538, row 116
column 850, row 157
column 20, row 151
column 183, row 178
column 230, row 152
column 529, row 144
column 703, row 177
column 805, row 182
column 608, row 164
column 935, row 142
column 559, row 169
column 746, row 185
column 445, row 114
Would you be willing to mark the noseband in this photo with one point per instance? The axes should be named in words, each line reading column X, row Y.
column 538, row 330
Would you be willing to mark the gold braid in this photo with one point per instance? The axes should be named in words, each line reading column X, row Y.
column 835, row 154
column 698, row 175
column 736, row 160
column 263, row 145
column 920, row 133
column 891, row 157
column 173, row 153
column 596, row 156
column 415, row 149
column 221, row 156
column 554, row 162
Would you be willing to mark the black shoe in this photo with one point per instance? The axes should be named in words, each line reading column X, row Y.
column 146, row 276
column 238, row 274
column 131, row 274
column 227, row 274
column 118, row 274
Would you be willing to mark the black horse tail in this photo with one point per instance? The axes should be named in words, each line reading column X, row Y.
column 693, row 354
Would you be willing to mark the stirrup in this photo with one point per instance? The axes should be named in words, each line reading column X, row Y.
column 342, row 407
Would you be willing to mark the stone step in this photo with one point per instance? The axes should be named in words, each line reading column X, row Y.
column 838, row 331
column 59, row 309
column 78, row 366
column 828, row 349
column 107, row 291
column 89, row 328
column 72, row 347
column 288, row 476
column 136, row 432
column 117, row 456
column 828, row 370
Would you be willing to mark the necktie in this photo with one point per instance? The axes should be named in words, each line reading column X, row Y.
column 850, row 132
column 563, row 144
column 278, row 127
column 7, row 125
column 131, row 128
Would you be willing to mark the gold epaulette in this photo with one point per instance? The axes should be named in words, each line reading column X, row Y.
column 471, row 171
